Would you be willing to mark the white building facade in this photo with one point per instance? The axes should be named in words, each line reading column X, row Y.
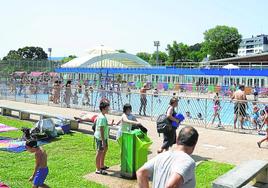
column 253, row 45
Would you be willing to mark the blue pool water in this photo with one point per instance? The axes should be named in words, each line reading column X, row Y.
column 155, row 105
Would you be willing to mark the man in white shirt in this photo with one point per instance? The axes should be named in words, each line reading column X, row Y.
column 174, row 168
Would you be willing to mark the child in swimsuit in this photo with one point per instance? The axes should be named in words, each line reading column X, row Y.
column 41, row 170
column 255, row 117
column 265, row 127
column 216, row 109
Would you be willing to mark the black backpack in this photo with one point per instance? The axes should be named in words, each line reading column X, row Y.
column 94, row 127
column 163, row 124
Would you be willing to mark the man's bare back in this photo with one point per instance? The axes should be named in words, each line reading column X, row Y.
column 239, row 95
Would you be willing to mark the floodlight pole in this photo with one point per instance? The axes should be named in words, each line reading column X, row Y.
column 157, row 44
column 100, row 76
column 101, row 55
column 49, row 51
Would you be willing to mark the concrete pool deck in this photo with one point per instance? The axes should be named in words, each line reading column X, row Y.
column 218, row 145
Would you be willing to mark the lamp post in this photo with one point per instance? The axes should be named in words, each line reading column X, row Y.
column 49, row 51
column 157, row 44
column 101, row 55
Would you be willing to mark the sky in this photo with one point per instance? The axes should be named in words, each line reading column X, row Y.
column 72, row 27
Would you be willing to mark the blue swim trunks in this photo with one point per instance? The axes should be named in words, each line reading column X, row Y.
column 40, row 176
column 255, row 116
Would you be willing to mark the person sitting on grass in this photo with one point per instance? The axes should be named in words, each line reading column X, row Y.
column 41, row 170
column 102, row 134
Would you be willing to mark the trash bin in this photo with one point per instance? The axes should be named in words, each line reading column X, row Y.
column 134, row 152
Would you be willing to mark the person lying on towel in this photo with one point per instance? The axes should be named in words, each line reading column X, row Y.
column 85, row 117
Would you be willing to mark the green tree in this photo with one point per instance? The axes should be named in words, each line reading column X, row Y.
column 197, row 52
column 26, row 53
column 144, row 55
column 67, row 59
column 221, row 42
column 12, row 55
column 32, row 53
column 177, row 52
column 162, row 57
column 121, row 51
column 196, row 47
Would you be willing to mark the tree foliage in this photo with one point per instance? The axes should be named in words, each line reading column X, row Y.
column 12, row 55
column 197, row 52
column 162, row 58
column 121, row 51
column 69, row 58
column 26, row 53
column 177, row 52
column 144, row 55
column 221, row 42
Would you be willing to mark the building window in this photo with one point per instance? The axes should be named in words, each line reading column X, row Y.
column 249, row 51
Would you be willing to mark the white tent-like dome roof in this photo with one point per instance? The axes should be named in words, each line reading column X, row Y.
column 106, row 58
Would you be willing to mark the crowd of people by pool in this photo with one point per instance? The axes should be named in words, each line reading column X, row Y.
column 75, row 93
column 180, row 168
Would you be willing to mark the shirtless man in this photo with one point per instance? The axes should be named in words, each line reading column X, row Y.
column 41, row 170
column 239, row 106
column 143, row 99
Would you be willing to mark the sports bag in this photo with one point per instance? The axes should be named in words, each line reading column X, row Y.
column 163, row 124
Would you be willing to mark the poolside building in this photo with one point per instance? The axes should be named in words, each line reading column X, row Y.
column 253, row 45
column 132, row 69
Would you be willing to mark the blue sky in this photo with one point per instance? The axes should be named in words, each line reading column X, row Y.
column 71, row 27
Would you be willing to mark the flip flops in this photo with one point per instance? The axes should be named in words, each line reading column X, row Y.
column 102, row 172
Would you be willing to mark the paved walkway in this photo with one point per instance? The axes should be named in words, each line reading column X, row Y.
column 215, row 145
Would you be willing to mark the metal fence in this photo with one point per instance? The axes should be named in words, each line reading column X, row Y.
column 10, row 66
column 198, row 111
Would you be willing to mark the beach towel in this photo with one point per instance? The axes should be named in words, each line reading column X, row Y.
column 15, row 145
column 2, row 185
column 5, row 128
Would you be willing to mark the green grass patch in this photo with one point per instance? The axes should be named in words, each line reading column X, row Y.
column 208, row 171
column 69, row 158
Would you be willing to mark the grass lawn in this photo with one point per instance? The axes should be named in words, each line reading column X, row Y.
column 69, row 159
column 208, row 171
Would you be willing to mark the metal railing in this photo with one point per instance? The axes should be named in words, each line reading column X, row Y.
column 11, row 66
column 198, row 110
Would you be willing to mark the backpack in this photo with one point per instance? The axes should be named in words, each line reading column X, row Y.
column 163, row 124
column 94, row 120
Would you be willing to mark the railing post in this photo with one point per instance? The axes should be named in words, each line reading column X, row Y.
column 24, row 92
column 152, row 104
column 206, row 110
column 15, row 91
column 48, row 95
column 36, row 94
column 237, row 117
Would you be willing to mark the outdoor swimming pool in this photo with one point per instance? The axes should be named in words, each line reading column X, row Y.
column 155, row 105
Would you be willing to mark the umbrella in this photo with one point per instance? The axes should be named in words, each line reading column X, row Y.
column 230, row 67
